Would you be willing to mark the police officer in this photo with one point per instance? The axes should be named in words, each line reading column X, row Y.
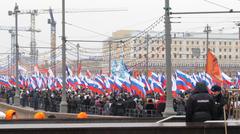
column 200, row 105
column 219, row 102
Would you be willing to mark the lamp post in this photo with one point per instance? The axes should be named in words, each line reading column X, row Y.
column 168, row 40
column 63, row 104
column 15, row 12
column 207, row 30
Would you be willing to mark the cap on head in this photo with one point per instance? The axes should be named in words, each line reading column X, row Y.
column 200, row 86
column 216, row 88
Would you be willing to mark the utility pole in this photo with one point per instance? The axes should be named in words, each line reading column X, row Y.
column 207, row 30
column 110, row 57
column 8, row 66
column 63, row 105
column 77, row 57
column 147, row 39
column 37, row 56
column 169, row 103
column 16, row 11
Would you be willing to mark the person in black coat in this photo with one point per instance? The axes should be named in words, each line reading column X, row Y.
column 200, row 105
column 150, row 108
column 219, row 102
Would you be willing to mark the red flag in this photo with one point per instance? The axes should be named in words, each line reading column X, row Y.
column 79, row 69
column 88, row 73
column 212, row 67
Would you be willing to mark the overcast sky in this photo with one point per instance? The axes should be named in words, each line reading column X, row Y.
column 139, row 15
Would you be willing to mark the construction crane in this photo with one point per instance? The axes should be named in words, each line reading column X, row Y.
column 11, row 30
column 34, row 12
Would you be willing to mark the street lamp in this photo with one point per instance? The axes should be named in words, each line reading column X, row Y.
column 207, row 30
column 16, row 11
column 63, row 104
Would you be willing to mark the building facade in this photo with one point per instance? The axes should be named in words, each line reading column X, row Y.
column 188, row 51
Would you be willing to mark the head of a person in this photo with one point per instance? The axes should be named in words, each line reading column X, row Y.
column 82, row 115
column 201, row 87
column 150, row 101
column 10, row 114
column 216, row 90
column 39, row 116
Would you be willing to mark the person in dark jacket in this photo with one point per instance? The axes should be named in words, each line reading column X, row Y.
column 150, row 108
column 200, row 105
column 219, row 102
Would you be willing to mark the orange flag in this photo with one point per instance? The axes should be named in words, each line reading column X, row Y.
column 212, row 67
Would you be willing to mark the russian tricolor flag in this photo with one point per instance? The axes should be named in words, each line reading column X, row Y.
column 181, row 85
column 185, row 77
column 226, row 79
column 156, row 86
column 138, row 86
column 147, row 86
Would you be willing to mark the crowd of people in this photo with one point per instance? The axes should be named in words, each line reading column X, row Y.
column 198, row 105
column 84, row 100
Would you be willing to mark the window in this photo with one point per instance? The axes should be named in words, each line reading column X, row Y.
column 220, row 42
column 145, row 55
column 203, row 49
column 197, row 42
column 236, row 56
column 220, row 56
column 180, row 42
column 152, row 55
column 175, row 55
column 229, row 49
column 134, row 55
column 220, row 50
column 180, row 49
column 180, row 56
column 203, row 42
column 230, row 56
column 157, row 48
column 213, row 49
column 225, row 50
column 203, row 56
column 157, row 55
column 230, row 43
column 187, row 55
column 134, row 48
column 187, row 42
column 192, row 42
column 225, row 56
column 139, row 48
column 140, row 56
column 163, row 49
column 187, row 49
column 163, row 56
column 236, row 50
column 225, row 42
column 236, row 43
column 152, row 48
column 175, row 49
column 175, row 42
column 213, row 42
column 145, row 48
